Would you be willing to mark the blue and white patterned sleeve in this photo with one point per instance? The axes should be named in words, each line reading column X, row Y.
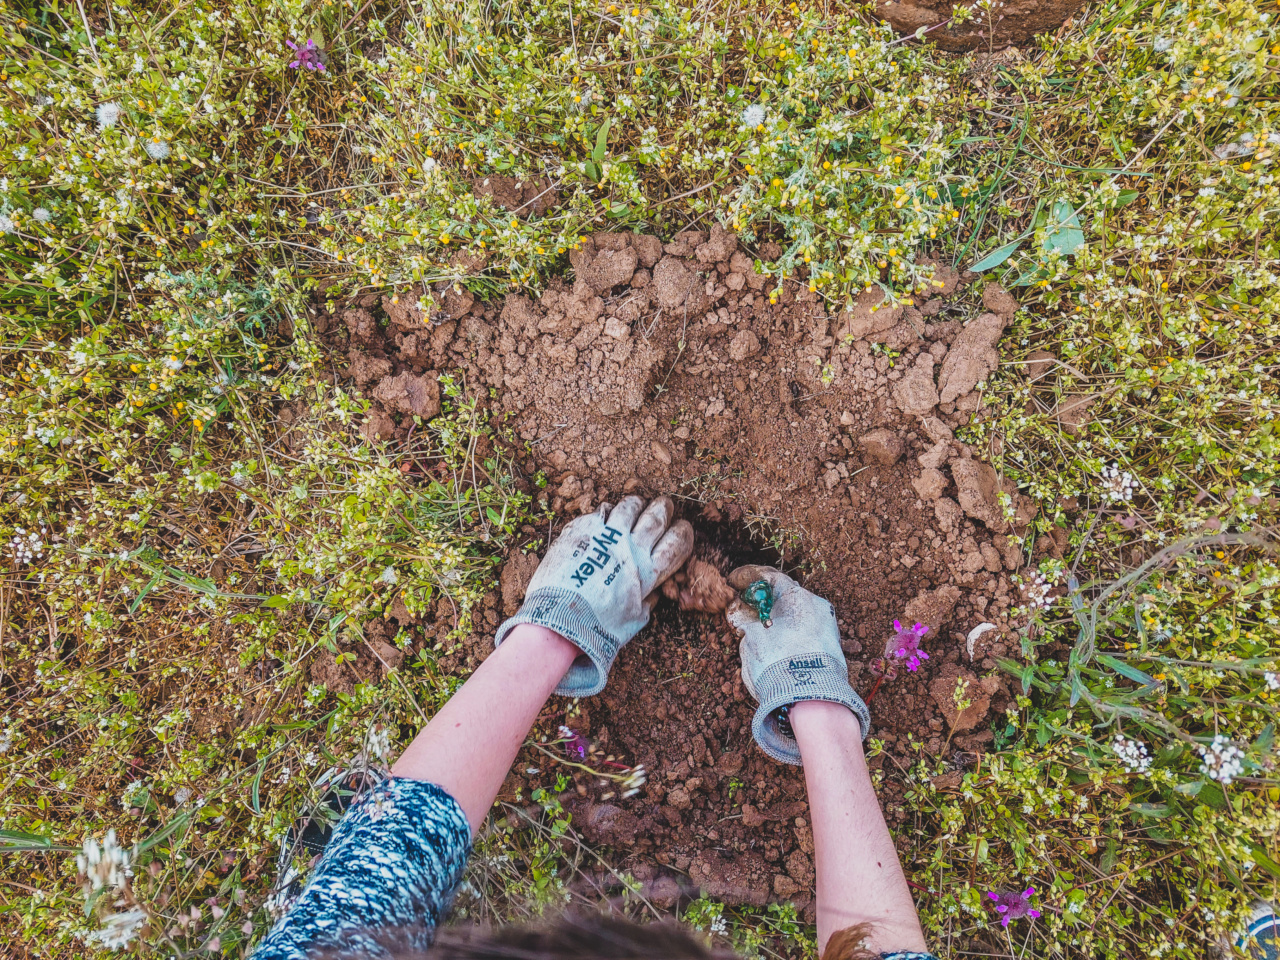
column 907, row 955
column 387, row 876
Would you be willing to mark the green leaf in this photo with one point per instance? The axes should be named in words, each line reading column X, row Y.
column 1189, row 789
column 15, row 841
column 142, row 594
column 169, row 829
column 1127, row 197
column 997, row 256
column 1261, row 858
column 1064, row 234
column 593, row 172
column 1132, row 673
column 253, row 790
column 1077, row 689
column 277, row 603
column 602, row 142
column 1151, row 809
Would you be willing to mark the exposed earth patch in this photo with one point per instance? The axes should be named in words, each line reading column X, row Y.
column 679, row 368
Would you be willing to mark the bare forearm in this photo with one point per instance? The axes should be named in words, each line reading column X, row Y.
column 860, row 879
column 469, row 746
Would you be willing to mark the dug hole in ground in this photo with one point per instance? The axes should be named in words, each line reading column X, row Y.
column 668, row 368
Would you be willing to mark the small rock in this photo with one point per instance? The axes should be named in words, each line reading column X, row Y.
column 1073, row 413
column 609, row 407
column 678, row 288
column 943, row 691
column 935, row 429
column 648, row 248
column 998, row 300
column 978, row 489
column 679, row 798
column 972, row 357
column 379, row 426
column 640, row 279
column 744, row 344
column 930, row 484
column 514, row 580
column 847, row 418
column 933, row 608
column 1040, row 363
column 884, row 446
column 867, row 316
column 411, row 394
column 784, row 886
column 721, row 246
column 617, row 328
column 915, row 394
column 661, row 452
column 664, row 892
column 935, row 456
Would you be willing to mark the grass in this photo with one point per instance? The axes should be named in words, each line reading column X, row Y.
column 193, row 523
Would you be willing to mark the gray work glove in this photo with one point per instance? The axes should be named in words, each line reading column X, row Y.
column 595, row 587
column 797, row 658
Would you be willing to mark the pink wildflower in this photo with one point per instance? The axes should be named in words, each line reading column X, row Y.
column 575, row 744
column 905, row 644
column 309, row 56
column 1012, row 905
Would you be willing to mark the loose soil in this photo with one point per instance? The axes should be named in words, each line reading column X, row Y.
column 666, row 368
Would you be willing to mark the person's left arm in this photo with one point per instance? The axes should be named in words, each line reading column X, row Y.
column 388, row 874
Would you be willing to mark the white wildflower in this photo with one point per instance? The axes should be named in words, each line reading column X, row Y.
column 753, row 115
column 1273, row 681
column 378, row 743
column 1118, row 485
column 108, row 114
column 1132, row 753
column 6, row 735
column 389, row 576
column 6, row 223
column 105, row 865
column 42, row 214
column 718, row 927
column 181, row 795
column 157, row 149
column 1162, row 44
column 428, row 167
column 1223, row 760
column 1037, row 593
column 118, row 930
column 27, row 546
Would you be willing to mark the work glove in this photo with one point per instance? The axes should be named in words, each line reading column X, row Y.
column 796, row 657
column 596, row 585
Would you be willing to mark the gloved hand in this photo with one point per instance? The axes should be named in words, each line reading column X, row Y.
column 797, row 658
column 593, row 587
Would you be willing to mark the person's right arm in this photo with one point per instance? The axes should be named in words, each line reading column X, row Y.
column 860, row 879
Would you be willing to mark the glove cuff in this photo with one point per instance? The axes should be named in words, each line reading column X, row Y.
column 565, row 612
column 811, row 676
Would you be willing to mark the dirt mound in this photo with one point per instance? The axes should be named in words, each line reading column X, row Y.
column 1011, row 22
column 669, row 368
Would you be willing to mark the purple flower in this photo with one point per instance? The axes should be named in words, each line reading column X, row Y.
column 906, row 644
column 1012, row 905
column 575, row 744
column 309, row 56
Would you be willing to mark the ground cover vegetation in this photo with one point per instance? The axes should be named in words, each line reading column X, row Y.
column 190, row 516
